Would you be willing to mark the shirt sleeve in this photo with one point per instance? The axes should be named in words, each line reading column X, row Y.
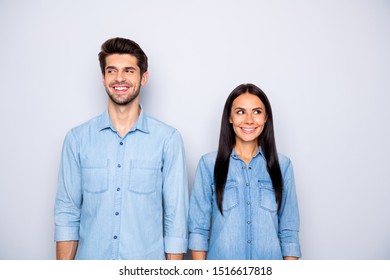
column 175, row 196
column 69, row 197
column 201, row 208
column 289, row 216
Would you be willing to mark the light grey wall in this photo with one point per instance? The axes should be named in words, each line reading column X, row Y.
column 325, row 66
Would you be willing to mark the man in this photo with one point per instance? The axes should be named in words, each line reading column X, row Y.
column 122, row 187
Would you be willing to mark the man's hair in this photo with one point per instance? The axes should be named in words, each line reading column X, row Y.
column 123, row 46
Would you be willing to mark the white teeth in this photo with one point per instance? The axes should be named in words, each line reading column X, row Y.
column 120, row 88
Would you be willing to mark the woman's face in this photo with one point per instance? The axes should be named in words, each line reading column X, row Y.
column 248, row 117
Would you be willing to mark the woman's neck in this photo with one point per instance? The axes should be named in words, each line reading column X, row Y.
column 246, row 151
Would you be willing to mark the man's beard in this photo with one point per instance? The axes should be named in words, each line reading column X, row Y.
column 126, row 100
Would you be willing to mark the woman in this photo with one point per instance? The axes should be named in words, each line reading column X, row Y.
column 243, row 203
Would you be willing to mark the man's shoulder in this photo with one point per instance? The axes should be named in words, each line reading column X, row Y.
column 87, row 125
column 156, row 125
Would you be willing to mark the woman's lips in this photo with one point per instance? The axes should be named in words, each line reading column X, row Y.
column 248, row 130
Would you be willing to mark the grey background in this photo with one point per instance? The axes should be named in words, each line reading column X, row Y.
column 324, row 65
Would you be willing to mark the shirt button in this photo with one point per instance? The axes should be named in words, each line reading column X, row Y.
column 121, row 143
column 249, row 242
column 248, row 203
column 116, row 213
column 118, row 189
column 119, row 166
column 247, row 184
column 243, row 167
column 248, row 222
column 250, row 167
column 115, row 237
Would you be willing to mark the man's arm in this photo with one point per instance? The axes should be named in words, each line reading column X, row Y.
column 175, row 256
column 175, row 196
column 66, row 250
column 68, row 201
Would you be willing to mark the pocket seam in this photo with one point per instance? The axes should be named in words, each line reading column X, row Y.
column 100, row 165
column 262, row 187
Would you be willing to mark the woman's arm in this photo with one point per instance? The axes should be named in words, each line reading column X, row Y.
column 287, row 258
column 198, row 255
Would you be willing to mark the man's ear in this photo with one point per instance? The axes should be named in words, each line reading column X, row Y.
column 144, row 78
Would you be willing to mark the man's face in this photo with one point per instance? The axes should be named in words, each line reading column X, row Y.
column 122, row 78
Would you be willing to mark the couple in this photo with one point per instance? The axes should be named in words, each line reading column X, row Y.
column 123, row 188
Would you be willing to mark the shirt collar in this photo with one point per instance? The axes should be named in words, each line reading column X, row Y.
column 141, row 124
column 259, row 152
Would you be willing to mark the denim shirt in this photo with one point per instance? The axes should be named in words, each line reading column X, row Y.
column 123, row 198
column 250, row 227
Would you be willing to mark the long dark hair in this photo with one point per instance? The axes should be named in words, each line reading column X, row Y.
column 227, row 140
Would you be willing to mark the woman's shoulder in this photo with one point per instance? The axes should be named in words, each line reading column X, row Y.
column 284, row 161
column 209, row 158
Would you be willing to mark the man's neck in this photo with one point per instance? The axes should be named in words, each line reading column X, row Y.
column 124, row 117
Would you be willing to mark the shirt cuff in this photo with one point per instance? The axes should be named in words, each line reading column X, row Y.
column 62, row 233
column 175, row 245
column 291, row 250
column 198, row 242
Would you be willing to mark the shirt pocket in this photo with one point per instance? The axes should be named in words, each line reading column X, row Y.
column 267, row 199
column 94, row 175
column 230, row 195
column 145, row 176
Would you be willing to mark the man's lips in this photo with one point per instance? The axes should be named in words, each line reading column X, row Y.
column 121, row 87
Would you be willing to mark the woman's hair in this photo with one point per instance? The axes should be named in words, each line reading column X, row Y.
column 123, row 46
column 227, row 140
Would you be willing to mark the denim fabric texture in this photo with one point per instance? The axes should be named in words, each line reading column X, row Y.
column 250, row 227
column 123, row 198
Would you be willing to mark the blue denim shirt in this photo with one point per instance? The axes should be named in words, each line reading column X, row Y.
column 123, row 198
column 251, row 227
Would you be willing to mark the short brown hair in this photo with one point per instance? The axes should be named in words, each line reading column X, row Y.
column 123, row 46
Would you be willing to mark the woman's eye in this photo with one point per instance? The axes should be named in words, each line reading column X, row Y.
column 257, row 112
